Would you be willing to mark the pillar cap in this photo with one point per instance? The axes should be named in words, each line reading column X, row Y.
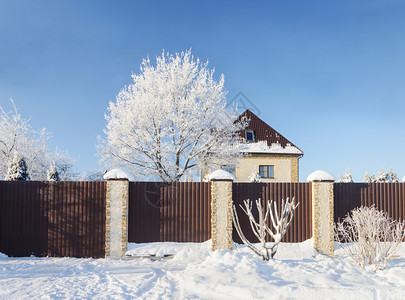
column 320, row 176
column 117, row 174
column 221, row 175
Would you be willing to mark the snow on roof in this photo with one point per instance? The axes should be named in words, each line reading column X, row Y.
column 403, row 179
column 263, row 147
column 320, row 175
column 117, row 174
column 221, row 175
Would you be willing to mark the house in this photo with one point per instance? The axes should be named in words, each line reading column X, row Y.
column 267, row 153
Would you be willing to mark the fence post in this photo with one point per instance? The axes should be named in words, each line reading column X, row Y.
column 116, row 233
column 322, row 211
column 221, row 210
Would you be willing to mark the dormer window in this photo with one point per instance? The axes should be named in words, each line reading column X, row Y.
column 250, row 136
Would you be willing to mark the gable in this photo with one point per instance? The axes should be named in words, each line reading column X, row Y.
column 267, row 139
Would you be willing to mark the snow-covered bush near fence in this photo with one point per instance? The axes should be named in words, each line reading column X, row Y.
column 369, row 236
column 260, row 227
column 255, row 177
column 17, row 170
column 382, row 177
column 53, row 174
column 347, row 178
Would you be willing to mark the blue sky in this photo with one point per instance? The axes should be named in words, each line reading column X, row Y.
column 328, row 75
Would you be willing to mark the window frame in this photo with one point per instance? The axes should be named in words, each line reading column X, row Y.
column 266, row 172
column 252, row 132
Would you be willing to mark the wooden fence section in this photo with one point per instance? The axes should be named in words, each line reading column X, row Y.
column 52, row 218
column 389, row 197
column 176, row 212
column 301, row 226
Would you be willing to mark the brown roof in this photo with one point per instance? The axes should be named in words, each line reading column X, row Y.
column 263, row 132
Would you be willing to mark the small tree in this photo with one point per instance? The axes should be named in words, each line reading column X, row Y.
column 369, row 236
column 17, row 170
column 52, row 173
column 393, row 176
column 382, row 177
column 347, row 178
column 369, row 179
column 255, row 177
column 261, row 229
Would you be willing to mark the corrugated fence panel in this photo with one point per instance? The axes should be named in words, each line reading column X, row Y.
column 186, row 212
column 176, row 212
column 144, row 212
column 301, row 226
column 389, row 197
column 52, row 218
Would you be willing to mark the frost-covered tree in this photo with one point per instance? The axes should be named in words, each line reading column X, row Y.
column 16, row 135
column 347, row 178
column 382, row 176
column 17, row 170
column 392, row 176
column 368, row 178
column 53, row 174
column 172, row 118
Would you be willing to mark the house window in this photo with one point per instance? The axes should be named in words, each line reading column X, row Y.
column 229, row 168
column 266, row 171
column 250, row 136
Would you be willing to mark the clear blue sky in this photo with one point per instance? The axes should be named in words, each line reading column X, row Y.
column 328, row 75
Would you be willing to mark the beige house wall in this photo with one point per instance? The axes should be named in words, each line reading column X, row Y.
column 285, row 167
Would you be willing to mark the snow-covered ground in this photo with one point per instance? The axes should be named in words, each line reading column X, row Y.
column 195, row 272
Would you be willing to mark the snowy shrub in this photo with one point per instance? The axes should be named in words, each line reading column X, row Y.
column 261, row 228
column 369, row 236
column 347, row 178
column 17, row 170
column 53, row 174
column 255, row 177
column 369, row 179
column 382, row 177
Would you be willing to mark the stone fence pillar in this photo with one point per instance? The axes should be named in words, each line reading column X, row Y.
column 322, row 211
column 221, row 210
column 116, row 233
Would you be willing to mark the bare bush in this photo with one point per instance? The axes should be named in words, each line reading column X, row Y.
column 261, row 228
column 369, row 236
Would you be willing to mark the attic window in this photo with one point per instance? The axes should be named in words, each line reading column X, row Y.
column 250, row 136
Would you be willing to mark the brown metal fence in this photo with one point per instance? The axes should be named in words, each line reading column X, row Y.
column 389, row 197
column 52, row 218
column 176, row 212
column 301, row 226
